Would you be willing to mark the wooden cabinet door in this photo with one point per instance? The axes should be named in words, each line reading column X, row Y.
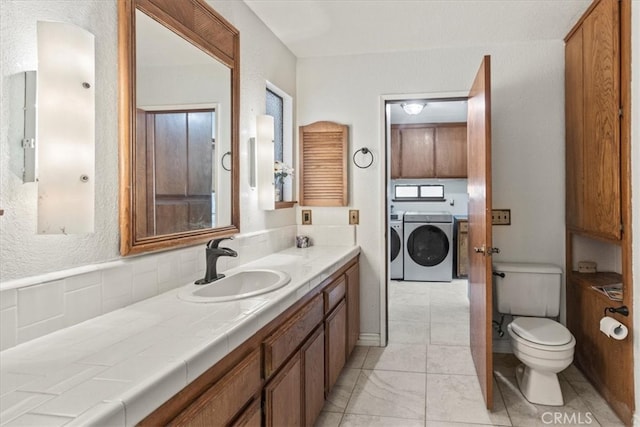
column 451, row 151
column 601, row 62
column 574, row 116
column 417, row 154
column 251, row 417
column 353, row 307
column 283, row 396
column 313, row 368
column 396, row 153
column 336, row 342
column 220, row 403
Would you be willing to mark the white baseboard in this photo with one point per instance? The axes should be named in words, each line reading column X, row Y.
column 369, row 340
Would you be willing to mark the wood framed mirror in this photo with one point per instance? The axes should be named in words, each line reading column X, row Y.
column 179, row 122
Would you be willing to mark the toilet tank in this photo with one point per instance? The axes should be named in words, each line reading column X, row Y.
column 527, row 289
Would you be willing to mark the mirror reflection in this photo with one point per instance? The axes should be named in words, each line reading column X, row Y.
column 182, row 164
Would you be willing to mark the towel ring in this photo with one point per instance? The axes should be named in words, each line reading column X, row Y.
column 228, row 153
column 364, row 151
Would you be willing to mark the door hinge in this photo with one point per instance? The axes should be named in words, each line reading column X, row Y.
column 486, row 251
column 620, row 112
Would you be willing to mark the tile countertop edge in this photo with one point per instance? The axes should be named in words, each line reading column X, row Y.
column 140, row 399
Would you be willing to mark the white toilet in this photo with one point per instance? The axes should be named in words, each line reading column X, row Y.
column 544, row 346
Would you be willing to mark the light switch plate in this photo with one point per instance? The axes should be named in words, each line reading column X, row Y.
column 354, row 217
column 501, row 216
column 306, row 217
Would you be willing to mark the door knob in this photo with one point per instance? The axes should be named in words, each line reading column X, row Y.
column 479, row 250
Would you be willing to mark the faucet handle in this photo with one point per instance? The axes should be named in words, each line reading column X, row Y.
column 213, row 243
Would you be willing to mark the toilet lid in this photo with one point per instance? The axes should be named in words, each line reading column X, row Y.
column 541, row 330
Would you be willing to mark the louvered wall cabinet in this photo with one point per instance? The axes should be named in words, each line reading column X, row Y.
column 323, row 164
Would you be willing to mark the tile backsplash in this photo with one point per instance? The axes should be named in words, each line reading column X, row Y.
column 33, row 307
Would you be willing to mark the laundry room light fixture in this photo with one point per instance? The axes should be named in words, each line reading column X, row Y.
column 413, row 108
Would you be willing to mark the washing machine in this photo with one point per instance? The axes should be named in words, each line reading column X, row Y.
column 396, row 256
column 428, row 246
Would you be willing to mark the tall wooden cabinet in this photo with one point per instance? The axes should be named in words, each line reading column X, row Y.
column 593, row 124
column 598, row 209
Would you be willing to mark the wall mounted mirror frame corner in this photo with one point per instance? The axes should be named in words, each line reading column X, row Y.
column 179, row 95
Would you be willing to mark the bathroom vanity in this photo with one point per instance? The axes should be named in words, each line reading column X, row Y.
column 270, row 359
column 284, row 370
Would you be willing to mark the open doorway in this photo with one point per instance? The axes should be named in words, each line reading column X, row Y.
column 426, row 172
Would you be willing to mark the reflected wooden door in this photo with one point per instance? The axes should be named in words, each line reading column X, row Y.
column 480, row 242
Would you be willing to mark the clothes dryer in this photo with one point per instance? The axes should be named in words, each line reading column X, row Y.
column 428, row 246
column 396, row 243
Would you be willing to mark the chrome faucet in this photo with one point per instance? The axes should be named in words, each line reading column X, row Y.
column 213, row 252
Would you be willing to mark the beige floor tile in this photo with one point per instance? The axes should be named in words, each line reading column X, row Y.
column 458, row 398
column 338, row 399
column 446, row 359
column 523, row 413
column 397, row 357
column 341, row 392
column 572, row 373
column 353, row 420
column 389, row 394
column 357, row 357
column 408, row 298
column 596, row 404
column 406, row 287
column 449, row 313
column 449, row 333
column 408, row 332
column 409, row 313
column 504, row 364
column 448, row 424
column 328, row 419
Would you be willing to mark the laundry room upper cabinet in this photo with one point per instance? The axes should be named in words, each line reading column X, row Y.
column 429, row 150
column 592, row 91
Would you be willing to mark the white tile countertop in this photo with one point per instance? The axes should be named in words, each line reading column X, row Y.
column 117, row 368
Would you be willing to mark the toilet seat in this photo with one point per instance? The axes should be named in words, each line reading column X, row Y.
column 541, row 333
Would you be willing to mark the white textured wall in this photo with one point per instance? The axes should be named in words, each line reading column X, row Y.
column 528, row 140
column 22, row 252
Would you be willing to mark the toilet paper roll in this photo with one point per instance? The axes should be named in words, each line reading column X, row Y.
column 613, row 329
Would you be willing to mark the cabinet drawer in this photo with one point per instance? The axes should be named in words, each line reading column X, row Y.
column 220, row 403
column 334, row 293
column 282, row 343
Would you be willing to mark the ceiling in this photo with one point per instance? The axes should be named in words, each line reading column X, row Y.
column 314, row 28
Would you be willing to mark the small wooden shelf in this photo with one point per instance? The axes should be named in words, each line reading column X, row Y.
column 586, row 280
column 285, row 205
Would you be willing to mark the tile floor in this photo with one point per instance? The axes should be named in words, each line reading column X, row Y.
column 425, row 376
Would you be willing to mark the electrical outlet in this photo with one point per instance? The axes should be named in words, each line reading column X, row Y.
column 354, row 217
column 306, row 217
column 501, row 217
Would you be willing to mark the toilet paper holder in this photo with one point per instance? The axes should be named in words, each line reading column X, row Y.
column 624, row 310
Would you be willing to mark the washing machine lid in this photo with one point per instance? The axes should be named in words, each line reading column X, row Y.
column 541, row 330
column 428, row 217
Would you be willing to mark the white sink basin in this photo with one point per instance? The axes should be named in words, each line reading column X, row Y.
column 243, row 284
